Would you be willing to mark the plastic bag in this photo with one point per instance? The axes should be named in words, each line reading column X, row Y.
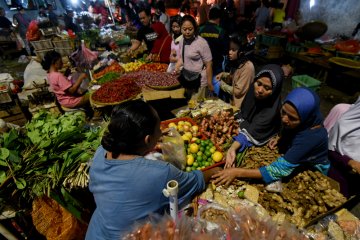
column 84, row 57
column 33, row 33
column 173, row 149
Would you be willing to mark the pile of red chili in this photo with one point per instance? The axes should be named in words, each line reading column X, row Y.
column 116, row 91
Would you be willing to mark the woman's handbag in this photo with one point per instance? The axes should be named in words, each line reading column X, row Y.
column 187, row 78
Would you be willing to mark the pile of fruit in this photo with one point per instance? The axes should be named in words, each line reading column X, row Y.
column 202, row 154
column 132, row 66
column 188, row 131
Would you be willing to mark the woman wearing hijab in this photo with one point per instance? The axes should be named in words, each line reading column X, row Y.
column 237, row 82
column 259, row 114
column 344, row 153
column 161, row 49
column 303, row 140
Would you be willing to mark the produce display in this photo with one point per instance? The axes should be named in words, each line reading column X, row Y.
column 51, row 149
column 116, row 91
column 219, row 128
column 132, row 66
column 202, row 154
column 256, row 157
column 114, row 67
column 157, row 80
column 154, row 67
column 108, row 77
column 304, row 197
column 187, row 128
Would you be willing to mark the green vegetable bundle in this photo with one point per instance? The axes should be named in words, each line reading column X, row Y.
column 47, row 156
column 108, row 77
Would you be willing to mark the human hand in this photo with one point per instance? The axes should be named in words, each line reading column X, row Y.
column 355, row 165
column 225, row 177
column 218, row 77
column 230, row 158
column 211, row 87
column 273, row 142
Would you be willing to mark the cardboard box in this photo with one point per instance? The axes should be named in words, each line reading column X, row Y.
column 150, row 95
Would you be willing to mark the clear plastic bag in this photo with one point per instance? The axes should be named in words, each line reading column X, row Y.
column 173, row 149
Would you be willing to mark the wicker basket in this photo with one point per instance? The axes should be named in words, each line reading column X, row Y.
column 42, row 44
column 66, row 43
column 64, row 51
column 41, row 53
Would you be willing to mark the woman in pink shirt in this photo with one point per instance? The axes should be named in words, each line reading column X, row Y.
column 65, row 91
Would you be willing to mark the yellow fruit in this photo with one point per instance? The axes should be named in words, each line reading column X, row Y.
column 194, row 129
column 186, row 128
column 187, row 123
column 193, row 139
column 180, row 128
column 194, row 148
column 172, row 125
column 217, row 156
column 188, row 134
column 185, row 138
column 180, row 123
column 189, row 160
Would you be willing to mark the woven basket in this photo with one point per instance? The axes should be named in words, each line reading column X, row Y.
column 64, row 51
column 41, row 53
column 42, row 44
column 163, row 87
column 66, row 43
column 100, row 104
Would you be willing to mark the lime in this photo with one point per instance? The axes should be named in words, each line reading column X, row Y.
column 202, row 167
column 207, row 153
column 202, row 149
column 213, row 149
column 198, row 141
column 199, row 153
column 241, row 194
column 207, row 164
column 210, row 144
column 188, row 169
column 195, row 164
column 207, row 147
column 193, row 168
column 199, row 168
column 199, row 158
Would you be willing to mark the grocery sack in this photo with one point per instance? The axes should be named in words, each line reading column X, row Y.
column 173, row 149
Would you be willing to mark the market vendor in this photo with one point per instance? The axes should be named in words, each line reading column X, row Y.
column 127, row 186
column 344, row 153
column 303, row 141
column 145, row 33
column 162, row 45
column 260, row 112
column 66, row 92
column 236, row 83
